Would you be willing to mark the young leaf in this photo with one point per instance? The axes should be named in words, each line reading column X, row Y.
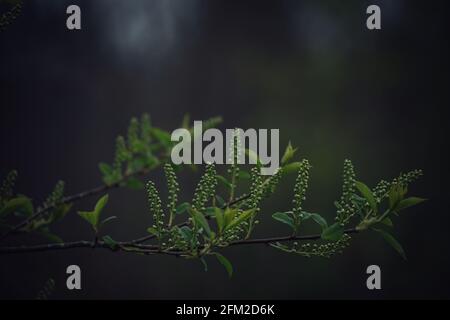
column 292, row 167
column 152, row 231
column 229, row 215
column 396, row 194
column 240, row 218
column 186, row 233
column 333, row 232
column 200, row 221
column 387, row 221
column 210, row 211
column 288, row 154
column 367, row 194
column 182, row 207
column 317, row 218
column 110, row 242
column 392, row 242
column 59, row 212
column 162, row 136
column 20, row 204
column 408, row 202
column 284, row 217
column 137, row 163
column 224, row 181
column 105, row 169
column 93, row 217
column 226, row 263
column 220, row 220
column 244, row 175
column 220, row 201
column 134, row 183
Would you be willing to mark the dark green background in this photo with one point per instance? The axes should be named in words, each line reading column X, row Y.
column 309, row 68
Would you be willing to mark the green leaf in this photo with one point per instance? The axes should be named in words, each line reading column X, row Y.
column 284, row 217
column 367, row 194
column 162, row 136
column 200, row 220
column 244, row 175
column 186, row 233
column 243, row 216
column 317, row 218
column 226, row 263
column 89, row 217
column 139, row 162
column 20, row 204
column 288, row 154
column 101, row 203
column 60, row 212
column 387, row 221
column 408, row 202
column 110, row 242
column 220, row 220
column 183, row 207
column 229, row 215
column 134, row 183
column 392, row 242
column 112, row 179
column 359, row 203
column 333, row 232
column 152, row 230
column 105, row 169
column 292, row 167
column 210, row 211
column 224, row 181
column 220, row 201
column 93, row 217
column 396, row 194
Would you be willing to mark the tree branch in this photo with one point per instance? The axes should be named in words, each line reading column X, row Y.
column 132, row 246
column 285, row 239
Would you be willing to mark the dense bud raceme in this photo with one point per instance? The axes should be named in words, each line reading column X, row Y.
column 173, row 187
column 300, row 187
column 155, row 205
column 345, row 207
column 205, row 189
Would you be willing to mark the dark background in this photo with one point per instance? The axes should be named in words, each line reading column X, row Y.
column 310, row 68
